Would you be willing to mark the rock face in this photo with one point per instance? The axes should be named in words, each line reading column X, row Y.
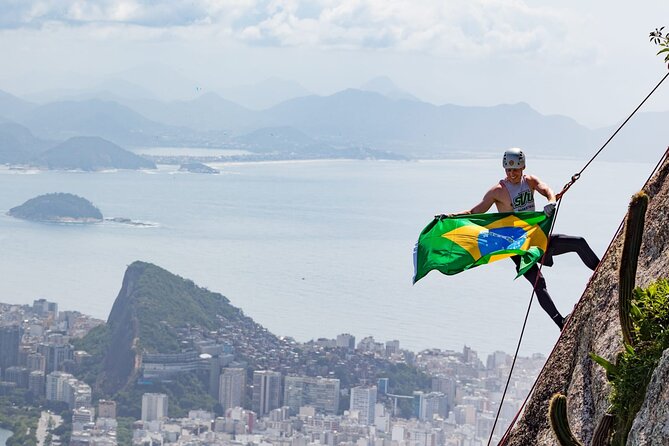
column 595, row 327
column 651, row 426
column 152, row 306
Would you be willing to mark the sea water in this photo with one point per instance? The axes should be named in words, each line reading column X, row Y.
column 309, row 249
column 4, row 435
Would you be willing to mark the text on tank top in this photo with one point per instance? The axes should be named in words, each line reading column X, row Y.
column 521, row 194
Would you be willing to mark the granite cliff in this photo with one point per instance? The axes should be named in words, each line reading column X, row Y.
column 595, row 327
column 152, row 305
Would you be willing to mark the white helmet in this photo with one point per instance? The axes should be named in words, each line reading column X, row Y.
column 514, row 158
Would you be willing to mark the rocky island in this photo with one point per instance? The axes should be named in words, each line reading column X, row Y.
column 197, row 168
column 58, row 208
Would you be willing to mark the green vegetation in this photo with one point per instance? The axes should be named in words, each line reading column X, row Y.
column 644, row 318
column 164, row 301
column 95, row 343
column 124, row 430
column 662, row 40
column 158, row 312
column 650, row 316
column 404, row 379
column 634, row 367
column 21, row 420
column 557, row 414
column 186, row 392
column 162, row 304
column 57, row 207
column 636, row 217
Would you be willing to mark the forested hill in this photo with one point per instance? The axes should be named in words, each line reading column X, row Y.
column 159, row 312
column 57, row 207
column 149, row 315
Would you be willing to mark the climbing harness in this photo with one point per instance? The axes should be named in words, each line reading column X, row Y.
column 559, row 196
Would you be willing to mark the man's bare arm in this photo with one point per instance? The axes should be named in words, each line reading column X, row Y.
column 486, row 203
column 541, row 187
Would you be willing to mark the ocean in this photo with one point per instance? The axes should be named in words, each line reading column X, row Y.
column 309, row 249
column 4, row 435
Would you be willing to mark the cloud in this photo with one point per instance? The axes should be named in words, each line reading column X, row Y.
column 460, row 28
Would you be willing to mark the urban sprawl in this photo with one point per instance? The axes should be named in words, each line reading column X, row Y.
column 264, row 407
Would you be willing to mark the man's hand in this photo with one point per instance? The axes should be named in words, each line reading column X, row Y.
column 549, row 209
column 442, row 216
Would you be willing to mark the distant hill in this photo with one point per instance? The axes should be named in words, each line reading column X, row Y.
column 385, row 86
column 11, row 106
column 91, row 153
column 379, row 117
column 265, row 94
column 419, row 129
column 292, row 143
column 644, row 138
column 109, row 120
column 57, row 208
column 17, row 144
column 278, row 139
column 204, row 113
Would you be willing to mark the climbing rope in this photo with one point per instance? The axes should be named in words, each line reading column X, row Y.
column 577, row 175
column 558, row 197
column 578, row 304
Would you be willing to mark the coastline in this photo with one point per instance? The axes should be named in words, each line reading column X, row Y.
column 5, row 434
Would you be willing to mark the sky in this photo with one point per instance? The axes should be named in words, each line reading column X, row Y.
column 589, row 60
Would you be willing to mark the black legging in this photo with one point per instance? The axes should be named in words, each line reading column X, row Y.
column 558, row 244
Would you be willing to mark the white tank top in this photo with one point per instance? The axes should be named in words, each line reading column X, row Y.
column 521, row 194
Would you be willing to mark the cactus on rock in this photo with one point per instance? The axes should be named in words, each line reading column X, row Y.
column 557, row 414
column 602, row 435
column 628, row 263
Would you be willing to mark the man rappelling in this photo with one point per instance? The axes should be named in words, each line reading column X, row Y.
column 514, row 194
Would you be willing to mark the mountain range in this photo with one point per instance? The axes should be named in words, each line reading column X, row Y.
column 376, row 118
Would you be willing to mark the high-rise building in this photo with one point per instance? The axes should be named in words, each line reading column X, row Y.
column 382, row 385
column 266, row 391
column 17, row 375
column 363, row 400
column 36, row 361
column 77, row 393
column 154, row 406
column 83, row 415
column 392, row 347
column 346, row 340
column 433, row 403
column 55, row 385
column 465, row 414
column 448, row 386
column 42, row 307
column 417, row 403
column 56, row 354
column 36, row 382
column 321, row 393
column 10, row 338
column 106, row 409
column 231, row 387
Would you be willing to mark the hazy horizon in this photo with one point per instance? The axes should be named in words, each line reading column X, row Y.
column 572, row 59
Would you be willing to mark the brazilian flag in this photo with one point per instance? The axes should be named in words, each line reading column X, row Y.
column 454, row 244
